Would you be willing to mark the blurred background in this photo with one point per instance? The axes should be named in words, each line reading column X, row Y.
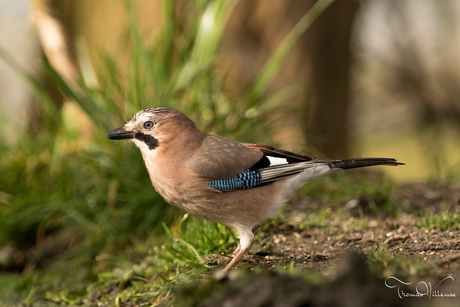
column 368, row 78
column 340, row 79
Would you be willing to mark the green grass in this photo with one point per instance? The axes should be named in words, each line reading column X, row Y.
column 446, row 219
column 386, row 263
column 163, row 266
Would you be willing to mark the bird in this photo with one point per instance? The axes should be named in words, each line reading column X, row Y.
column 219, row 179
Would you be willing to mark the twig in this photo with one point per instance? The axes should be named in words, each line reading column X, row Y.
column 396, row 238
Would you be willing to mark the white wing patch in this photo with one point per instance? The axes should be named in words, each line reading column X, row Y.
column 277, row 161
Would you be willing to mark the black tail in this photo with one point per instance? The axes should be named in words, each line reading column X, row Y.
column 362, row 162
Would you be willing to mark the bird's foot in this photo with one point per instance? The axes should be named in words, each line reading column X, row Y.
column 217, row 259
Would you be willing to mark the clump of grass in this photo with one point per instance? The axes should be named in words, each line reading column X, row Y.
column 390, row 264
column 320, row 218
column 446, row 219
column 166, row 264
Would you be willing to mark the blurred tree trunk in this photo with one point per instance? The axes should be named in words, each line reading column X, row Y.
column 53, row 40
column 328, row 45
column 320, row 62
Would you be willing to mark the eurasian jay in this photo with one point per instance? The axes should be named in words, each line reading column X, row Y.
column 217, row 179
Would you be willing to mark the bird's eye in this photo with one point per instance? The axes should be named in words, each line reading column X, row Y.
column 148, row 125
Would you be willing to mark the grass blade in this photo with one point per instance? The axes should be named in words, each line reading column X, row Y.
column 274, row 63
column 208, row 39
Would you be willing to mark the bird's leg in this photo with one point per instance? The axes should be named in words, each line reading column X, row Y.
column 254, row 229
column 246, row 241
column 236, row 250
column 237, row 256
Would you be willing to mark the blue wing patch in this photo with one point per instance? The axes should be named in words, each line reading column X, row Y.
column 246, row 180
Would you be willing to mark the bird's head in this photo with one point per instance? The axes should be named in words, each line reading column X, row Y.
column 150, row 127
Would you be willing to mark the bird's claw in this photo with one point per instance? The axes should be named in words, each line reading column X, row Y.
column 216, row 259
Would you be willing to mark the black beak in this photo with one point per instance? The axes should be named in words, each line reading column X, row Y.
column 120, row 134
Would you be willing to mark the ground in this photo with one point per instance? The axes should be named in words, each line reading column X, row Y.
column 418, row 248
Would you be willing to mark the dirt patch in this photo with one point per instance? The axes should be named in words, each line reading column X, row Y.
column 315, row 247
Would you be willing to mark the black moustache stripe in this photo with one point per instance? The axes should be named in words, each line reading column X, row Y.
column 149, row 140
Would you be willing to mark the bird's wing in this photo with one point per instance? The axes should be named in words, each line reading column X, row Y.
column 279, row 153
column 279, row 164
column 220, row 158
column 228, row 165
